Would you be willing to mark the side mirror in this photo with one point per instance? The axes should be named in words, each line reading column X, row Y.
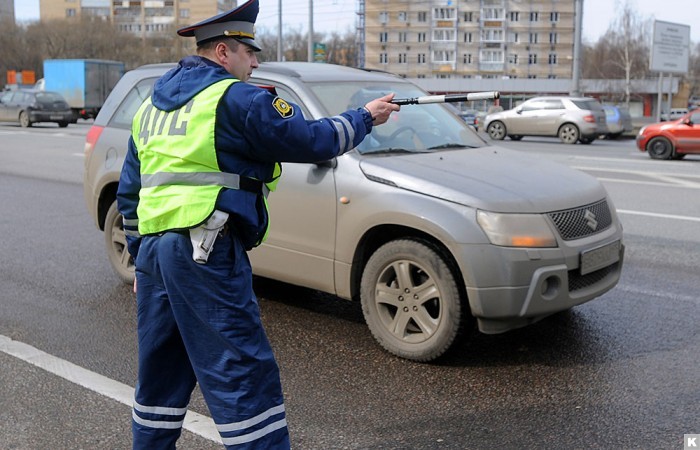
column 519, row 110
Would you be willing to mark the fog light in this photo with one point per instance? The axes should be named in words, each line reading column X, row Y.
column 549, row 289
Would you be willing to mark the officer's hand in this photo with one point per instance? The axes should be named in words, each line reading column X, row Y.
column 381, row 109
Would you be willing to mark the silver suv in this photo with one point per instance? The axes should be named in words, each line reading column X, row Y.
column 424, row 223
column 571, row 119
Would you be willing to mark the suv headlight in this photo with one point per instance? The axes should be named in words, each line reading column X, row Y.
column 516, row 230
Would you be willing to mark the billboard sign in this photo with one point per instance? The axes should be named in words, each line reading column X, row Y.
column 670, row 49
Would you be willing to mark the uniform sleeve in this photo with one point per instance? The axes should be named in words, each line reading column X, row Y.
column 128, row 197
column 278, row 131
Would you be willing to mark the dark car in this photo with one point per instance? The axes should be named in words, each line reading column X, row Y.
column 671, row 140
column 31, row 106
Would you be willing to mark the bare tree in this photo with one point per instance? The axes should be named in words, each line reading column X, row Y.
column 623, row 51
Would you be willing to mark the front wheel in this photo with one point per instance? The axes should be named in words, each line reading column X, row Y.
column 660, row 148
column 568, row 133
column 115, row 240
column 496, row 130
column 411, row 300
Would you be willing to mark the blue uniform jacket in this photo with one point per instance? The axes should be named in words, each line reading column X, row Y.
column 251, row 135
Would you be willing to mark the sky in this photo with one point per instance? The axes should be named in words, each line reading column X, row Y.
column 339, row 15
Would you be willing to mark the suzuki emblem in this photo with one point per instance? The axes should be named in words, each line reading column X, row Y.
column 590, row 220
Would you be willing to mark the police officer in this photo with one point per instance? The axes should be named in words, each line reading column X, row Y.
column 204, row 153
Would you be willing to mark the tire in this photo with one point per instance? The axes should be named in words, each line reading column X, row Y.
column 660, row 148
column 417, row 316
column 115, row 241
column 586, row 140
column 63, row 124
column 568, row 133
column 515, row 137
column 496, row 130
column 24, row 120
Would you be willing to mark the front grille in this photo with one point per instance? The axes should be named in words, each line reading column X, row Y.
column 578, row 281
column 581, row 222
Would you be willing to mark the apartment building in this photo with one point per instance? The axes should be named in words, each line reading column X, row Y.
column 144, row 18
column 469, row 38
column 7, row 10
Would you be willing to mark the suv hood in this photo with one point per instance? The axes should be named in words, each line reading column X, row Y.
column 490, row 178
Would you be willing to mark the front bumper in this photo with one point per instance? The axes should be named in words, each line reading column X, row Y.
column 535, row 283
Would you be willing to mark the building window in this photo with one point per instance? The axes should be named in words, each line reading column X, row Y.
column 421, row 37
column 422, row 16
column 554, row 16
column 533, row 38
column 421, row 58
column 443, row 13
column 552, row 59
column 532, row 58
column 513, row 59
column 551, row 77
column 532, row 76
column 468, row 37
column 513, row 37
column 534, row 16
column 383, row 17
column 70, row 12
column 468, row 17
column 493, row 13
column 403, row 17
column 514, row 16
column 467, row 58
column 383, row 36
column 402, row 58
column 492, row 56
column 383, row 59
column 553, row 38
column 444, row 35
column 403, row 36
column 492, row 35
column 443, row 56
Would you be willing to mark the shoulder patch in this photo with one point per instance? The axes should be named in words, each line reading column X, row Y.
column 282, row 107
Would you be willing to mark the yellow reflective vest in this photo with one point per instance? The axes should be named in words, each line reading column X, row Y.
column 180, row 175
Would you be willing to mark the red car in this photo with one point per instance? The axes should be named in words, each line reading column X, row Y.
column 671, row 140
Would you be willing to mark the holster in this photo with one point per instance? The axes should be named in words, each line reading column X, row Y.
column 204, row 236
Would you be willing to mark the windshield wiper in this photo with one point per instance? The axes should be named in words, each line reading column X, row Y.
column 451, row 145
column 392, row 150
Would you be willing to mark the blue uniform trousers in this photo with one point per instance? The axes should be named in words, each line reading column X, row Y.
column 201, row 323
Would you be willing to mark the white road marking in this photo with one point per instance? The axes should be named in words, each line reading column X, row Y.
column 662, row 216
column 196, row 423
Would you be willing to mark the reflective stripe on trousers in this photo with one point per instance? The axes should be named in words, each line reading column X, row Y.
column 206, row 314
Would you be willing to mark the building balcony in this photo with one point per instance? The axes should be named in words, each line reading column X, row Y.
column 491, row 66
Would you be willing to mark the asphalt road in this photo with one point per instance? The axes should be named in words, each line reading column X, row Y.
column 619, row 372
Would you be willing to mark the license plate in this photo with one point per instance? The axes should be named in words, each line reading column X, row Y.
column 56, row 117
column 597, row 258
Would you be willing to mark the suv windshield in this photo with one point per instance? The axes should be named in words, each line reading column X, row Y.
column 416, row 128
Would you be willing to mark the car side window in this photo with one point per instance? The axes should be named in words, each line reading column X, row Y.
column 127, row 109
column 695, row 118
column 553, row 104
column 6, row 97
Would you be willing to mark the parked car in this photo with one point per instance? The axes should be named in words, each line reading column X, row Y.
column 470, row 117
column 618, row 121
column 31, row 106
column 673, row 114
column 671, row 140
column 572, row 119
column 428, row 226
